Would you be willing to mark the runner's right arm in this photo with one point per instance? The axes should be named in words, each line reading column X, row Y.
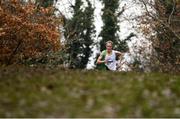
column 99, row 60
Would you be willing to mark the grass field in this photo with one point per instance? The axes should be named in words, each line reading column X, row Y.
column 41, row 92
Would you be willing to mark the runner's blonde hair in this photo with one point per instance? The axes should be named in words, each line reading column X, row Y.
column 109, row 41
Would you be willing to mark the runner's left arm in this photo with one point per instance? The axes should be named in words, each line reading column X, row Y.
column 119, row 53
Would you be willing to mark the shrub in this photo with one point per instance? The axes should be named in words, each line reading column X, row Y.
column 27, row 31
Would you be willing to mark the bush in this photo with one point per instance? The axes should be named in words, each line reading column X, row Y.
column 27, row 31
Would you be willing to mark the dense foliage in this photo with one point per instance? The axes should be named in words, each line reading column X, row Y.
column 162, row 29
column 44, row 3
column 111, row 28
column 27, row 31
column 79, row 35
column 167, row 42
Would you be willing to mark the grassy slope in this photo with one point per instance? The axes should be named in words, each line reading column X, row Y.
column 39, row 92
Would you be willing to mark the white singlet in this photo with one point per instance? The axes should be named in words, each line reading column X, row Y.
column 111, row 64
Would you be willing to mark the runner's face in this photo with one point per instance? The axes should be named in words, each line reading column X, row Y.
column 109, row 47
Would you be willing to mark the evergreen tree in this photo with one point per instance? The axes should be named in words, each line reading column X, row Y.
column 79, row 34
column 110, row 27
column 88, row 34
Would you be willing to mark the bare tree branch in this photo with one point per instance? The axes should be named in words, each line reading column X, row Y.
column 159, row 20
column 170, row 16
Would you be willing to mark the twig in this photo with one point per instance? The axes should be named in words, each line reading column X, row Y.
column 162, row 22
column 170, row 16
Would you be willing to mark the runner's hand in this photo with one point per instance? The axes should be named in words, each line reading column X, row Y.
column 105, row 61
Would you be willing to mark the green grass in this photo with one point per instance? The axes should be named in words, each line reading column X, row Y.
column 41, row 92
